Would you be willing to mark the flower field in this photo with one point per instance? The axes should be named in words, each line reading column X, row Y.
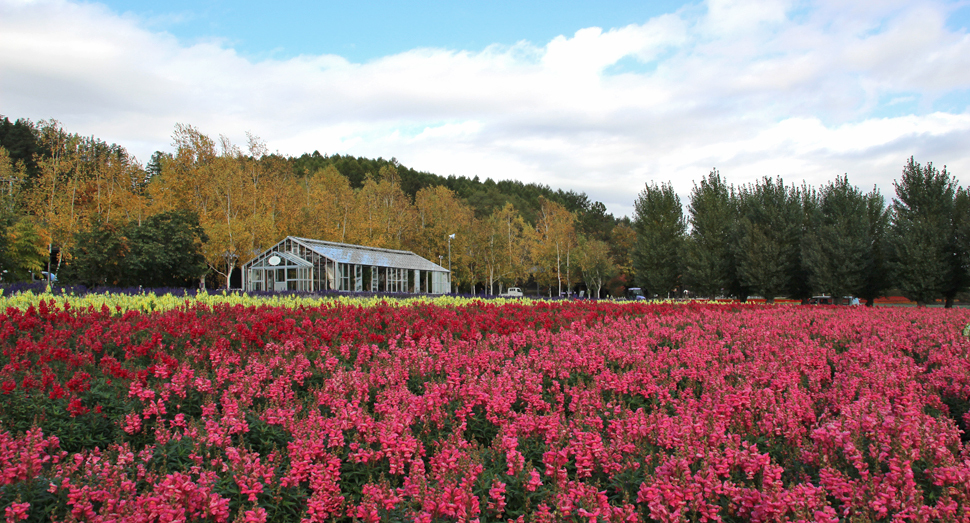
column 488, row 411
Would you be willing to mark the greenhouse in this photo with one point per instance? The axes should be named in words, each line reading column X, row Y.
column 301, row 264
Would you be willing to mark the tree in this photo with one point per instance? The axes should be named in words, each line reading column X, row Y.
column 20, row 140
column 596, row 264
column 660, row 226
column 506, row 241
column 12, row 177
column 877, row 273
column 385, row 212
column 958, row 249
column 838, row 249
column 166, row 250
column 922, row 230
column 768, row 244
column 800, row 283
column 709, row 262
column 555, row 240
column 99, row 259
column 23, row 248
column 623, row 240
column 439, row 213
column 53, row 193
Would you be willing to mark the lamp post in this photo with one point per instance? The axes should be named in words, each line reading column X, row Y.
column 450, row 288
column 441, row 260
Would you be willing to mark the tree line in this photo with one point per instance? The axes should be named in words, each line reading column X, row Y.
column 771, row 239
column 88, row 212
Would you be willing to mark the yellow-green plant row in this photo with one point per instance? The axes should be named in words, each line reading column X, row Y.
column 149, row 301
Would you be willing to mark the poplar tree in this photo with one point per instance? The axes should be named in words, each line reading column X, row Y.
column 839, row 248
column 768, row 238
column 709, row 262
column 922, row 239
column 877, row 273
column 661, row 227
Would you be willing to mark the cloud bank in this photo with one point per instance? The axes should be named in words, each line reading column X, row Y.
column 805, row 91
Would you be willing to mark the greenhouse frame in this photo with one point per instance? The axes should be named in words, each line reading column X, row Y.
column 302, row 264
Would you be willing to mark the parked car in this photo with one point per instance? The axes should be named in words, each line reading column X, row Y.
column 45, row 276
column 829, row 300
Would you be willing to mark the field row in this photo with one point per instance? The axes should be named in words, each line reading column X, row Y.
column 568, row 411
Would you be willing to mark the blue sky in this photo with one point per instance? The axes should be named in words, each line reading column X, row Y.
column 600, row 98
column 362, row 31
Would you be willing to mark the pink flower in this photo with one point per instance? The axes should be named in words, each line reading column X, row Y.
column 258, row 515
column 535, row 481
column 16, row 511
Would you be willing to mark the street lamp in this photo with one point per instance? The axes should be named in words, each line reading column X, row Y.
column 450, row 288
column 441, row 260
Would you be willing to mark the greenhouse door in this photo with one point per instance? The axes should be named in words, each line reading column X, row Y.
column 276, row 279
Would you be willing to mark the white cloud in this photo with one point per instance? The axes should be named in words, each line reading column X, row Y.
column 755, row 88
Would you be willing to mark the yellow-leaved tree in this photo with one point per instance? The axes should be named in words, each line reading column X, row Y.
column 507, row 243
column 440, row 214
column 556, row 239
column 384, row 212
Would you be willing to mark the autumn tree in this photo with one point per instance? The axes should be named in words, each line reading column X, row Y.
column 506, row 242
column 12, row 176
column 385, row 213
column 323, row 206
column 439, row 213
column 555, row 242
column 53, row 194
column 596, row 265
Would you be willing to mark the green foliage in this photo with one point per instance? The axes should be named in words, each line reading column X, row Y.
column 99, row 257
column 840, row 243
column 769, row 237
column 21, row 411
column 162, row 251
column 922, row 232
column 877, row 274
column 23, row 253
column 166, row 250
column 20, row 140
column 660, row 226
column 709, row 262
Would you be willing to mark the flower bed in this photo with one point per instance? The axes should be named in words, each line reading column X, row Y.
column 568, row 411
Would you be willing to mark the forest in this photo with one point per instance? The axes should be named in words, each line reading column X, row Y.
column 771, row 239
column 88, row 212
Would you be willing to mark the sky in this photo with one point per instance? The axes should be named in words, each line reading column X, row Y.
column 600, row 97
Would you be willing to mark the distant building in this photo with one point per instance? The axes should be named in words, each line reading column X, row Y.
column 301, row 264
